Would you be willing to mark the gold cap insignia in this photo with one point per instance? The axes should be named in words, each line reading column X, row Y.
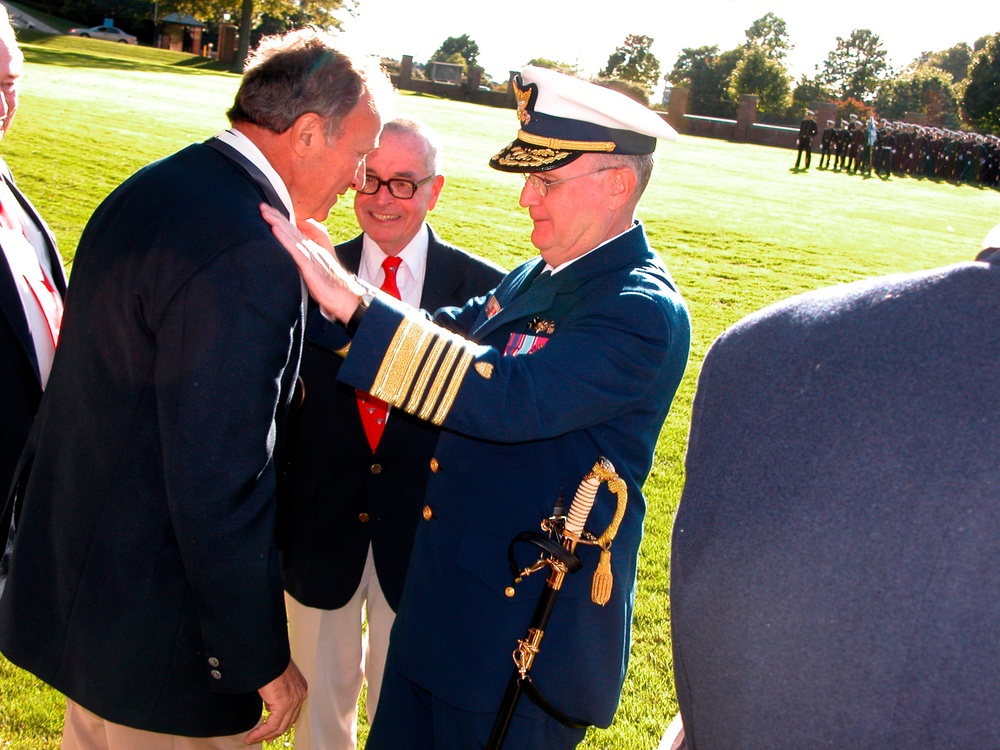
column 523, row 97
column 538, row 325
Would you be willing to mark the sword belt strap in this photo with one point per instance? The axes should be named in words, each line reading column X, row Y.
column 567, row 558
column 528, row 686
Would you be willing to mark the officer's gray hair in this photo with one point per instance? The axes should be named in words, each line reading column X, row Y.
column 640, row 164
column 291, row 74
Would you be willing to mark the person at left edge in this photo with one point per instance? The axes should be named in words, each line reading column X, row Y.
column 30, row 271
column 143, row 580
column 349, row 502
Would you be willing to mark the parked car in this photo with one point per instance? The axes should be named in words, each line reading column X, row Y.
column 109, row 33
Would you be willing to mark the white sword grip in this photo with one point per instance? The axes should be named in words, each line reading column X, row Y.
column 583, row 501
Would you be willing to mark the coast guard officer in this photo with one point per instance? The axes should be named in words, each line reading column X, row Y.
column 575, row 355
column 834, row 573
column 350, row 505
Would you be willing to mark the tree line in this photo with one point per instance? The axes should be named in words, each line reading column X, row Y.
column 952, row 88
column 137, row 16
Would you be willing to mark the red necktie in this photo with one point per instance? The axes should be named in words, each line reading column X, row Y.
column 374, row 411
column 42, row 288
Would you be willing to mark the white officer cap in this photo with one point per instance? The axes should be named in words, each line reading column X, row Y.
column 563, row 117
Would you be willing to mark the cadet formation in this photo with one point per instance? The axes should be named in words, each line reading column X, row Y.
column 904, row 149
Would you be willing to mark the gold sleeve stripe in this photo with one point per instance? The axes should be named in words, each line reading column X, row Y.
column 413, row 360
column 420, row 387
column 456, row 380
column 389, row 379
column 440, row 380
column 420, row 365
column 561, row 145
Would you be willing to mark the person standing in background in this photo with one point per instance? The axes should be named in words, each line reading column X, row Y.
column 807, row 131
column 350, row 499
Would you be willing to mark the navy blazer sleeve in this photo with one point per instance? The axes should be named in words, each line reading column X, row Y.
column 220, row 431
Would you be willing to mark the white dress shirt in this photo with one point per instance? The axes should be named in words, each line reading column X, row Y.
column 25, row 254
column 409, row 277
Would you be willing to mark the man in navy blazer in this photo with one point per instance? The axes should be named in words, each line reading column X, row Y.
column 27, row 345
column 350, row 504
column 530, row 385
column 143, row 580
column 835, row 572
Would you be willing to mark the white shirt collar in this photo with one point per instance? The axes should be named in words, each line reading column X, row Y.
column 410, row 277
column 249, row 149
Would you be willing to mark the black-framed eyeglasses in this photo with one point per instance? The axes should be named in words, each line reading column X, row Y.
column 541, row 186
column 398, row 187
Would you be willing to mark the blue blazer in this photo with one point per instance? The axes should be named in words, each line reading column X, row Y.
column 144, row 580
column 20, row 382
column 336, row 497
column 593, row 357
column 835, row 558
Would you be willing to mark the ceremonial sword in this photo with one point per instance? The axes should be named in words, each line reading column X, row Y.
column 558, row 554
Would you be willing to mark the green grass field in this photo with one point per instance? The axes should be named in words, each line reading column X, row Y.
column 736, row 227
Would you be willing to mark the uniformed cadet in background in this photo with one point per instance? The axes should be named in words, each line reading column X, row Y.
column 807, row 131
column 826, row 144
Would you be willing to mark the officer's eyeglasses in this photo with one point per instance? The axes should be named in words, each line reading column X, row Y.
column 398, row 188
column 541, row 186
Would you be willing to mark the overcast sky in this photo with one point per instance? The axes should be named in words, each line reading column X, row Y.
column 586, row 33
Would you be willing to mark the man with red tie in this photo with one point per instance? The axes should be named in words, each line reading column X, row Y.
column 32, row 285
column 354, row 487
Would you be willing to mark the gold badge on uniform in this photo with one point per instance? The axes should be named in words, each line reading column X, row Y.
column 539, row 325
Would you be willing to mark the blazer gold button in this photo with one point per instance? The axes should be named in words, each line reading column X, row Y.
column 376, row 469
column 363, row 517
column 435, row 466
column 428, row 513
column 216, row 674
column 213, row 662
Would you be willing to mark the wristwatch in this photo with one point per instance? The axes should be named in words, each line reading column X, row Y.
column 364, row 302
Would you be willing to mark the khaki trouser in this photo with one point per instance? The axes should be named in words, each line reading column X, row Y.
column 85, row 730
